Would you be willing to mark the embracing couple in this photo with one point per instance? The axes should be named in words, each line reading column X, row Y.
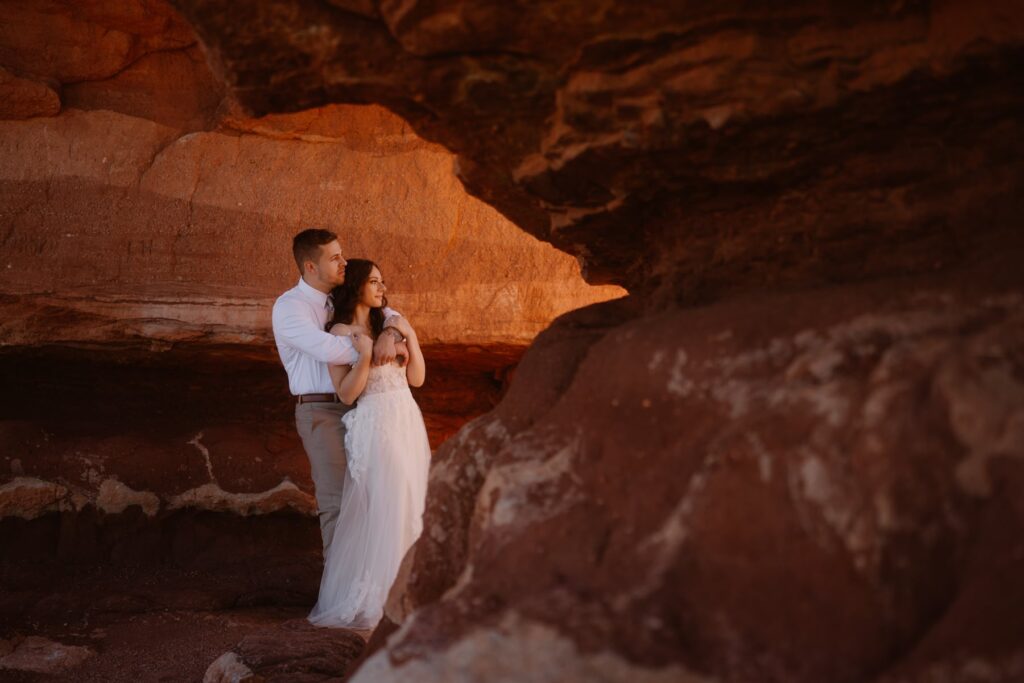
column 340, row 342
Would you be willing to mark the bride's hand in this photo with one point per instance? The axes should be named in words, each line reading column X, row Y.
column 362, row 343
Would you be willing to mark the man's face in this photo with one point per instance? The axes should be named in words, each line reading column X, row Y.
column 330, row 267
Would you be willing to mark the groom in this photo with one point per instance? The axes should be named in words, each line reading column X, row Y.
column 299, row 318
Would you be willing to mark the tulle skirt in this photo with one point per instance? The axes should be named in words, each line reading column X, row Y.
column 381, row 512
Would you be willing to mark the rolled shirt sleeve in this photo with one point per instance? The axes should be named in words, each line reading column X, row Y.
column 389, row 316
column 294, row 327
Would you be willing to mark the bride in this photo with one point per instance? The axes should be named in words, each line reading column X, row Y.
column 388, row 459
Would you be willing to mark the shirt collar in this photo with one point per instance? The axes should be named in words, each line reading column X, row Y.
column 315, row 295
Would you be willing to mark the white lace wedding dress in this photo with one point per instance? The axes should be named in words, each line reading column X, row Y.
column 382, row 502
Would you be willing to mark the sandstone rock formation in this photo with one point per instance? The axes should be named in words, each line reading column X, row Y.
column 689, row 486
column 295, row 651
column 816, row 482
column 794, row 453
column 40, row 656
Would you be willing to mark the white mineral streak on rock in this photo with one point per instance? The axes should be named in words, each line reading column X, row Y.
column 736, row 395
column 975, row 376
column 764, row 457
column 214, row 498
column 814, row 478
column 840, row 511
column 43, row 656
column 496, row 430
column 514, row 650
column 985, row 403
column 678, row 383
column 28, row 497
column 228, row 668
column 897, row 353
column 487, row 433
column 464, row 580
column 529, row 490
column 197, row 442
column 115, row 497
column 665, row 542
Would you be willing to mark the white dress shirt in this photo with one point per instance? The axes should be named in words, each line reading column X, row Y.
column 306, row 350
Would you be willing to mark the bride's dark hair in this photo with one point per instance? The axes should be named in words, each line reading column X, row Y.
column 346, row 295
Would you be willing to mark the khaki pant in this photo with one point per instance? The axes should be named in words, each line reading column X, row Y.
column 323, row 437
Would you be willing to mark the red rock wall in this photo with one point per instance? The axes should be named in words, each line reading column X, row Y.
column 810, row 475
column 811, row 470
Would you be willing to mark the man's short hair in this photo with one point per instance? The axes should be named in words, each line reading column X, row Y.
column 306, row 245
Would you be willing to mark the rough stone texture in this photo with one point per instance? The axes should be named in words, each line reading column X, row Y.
column 186, row 239
column 42, row 656
column 74, row 40
column 22, row 98
column 296, row 652
column 228, row 668
column 174, row 88
column 681, row 149
column 809, row 486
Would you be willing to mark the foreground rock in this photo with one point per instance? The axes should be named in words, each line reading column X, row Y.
column 784, row 487
column 35, row 654
column 296, row 652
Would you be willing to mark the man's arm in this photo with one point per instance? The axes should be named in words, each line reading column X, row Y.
column 384, row 348
column 296, row 326
column 391, row 318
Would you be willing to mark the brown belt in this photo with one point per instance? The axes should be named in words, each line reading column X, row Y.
column 319, row 398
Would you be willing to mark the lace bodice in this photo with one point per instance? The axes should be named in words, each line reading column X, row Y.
column 385, row 378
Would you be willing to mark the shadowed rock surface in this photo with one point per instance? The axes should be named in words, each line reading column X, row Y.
column 833, row 465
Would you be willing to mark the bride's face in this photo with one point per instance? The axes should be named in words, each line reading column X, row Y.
column 372, row 293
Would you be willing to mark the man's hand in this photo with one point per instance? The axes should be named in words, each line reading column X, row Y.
column 402, row 352
column 384, row 349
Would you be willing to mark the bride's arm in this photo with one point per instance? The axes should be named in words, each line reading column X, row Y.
column 416, row 368
column 349, row 381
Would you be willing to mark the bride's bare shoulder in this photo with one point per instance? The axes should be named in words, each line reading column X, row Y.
column 341, row 330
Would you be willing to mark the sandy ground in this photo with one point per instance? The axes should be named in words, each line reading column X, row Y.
column 142, row 625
